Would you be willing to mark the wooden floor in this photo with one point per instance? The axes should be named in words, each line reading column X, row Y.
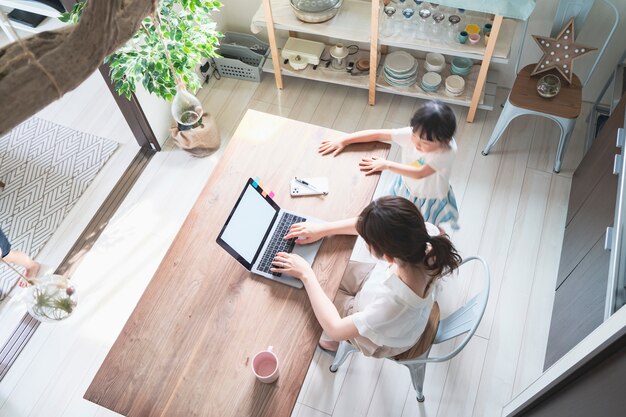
column 512, row 211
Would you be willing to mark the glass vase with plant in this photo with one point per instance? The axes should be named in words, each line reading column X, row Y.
column 49, row 298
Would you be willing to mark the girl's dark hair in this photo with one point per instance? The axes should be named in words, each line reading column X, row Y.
column 393, row 226
column 435, row 121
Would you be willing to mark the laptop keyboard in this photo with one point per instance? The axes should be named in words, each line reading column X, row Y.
column 277, row 243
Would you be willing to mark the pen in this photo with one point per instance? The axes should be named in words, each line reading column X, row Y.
column 310, row 186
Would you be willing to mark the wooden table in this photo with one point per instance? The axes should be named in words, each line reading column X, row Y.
column 186, row 348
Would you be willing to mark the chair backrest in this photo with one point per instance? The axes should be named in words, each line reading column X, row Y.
column 465, row 320
column 578, row 9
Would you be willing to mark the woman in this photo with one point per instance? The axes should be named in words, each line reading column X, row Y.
column 381, row 309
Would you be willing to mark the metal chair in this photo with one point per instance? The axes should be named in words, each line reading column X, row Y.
column 563, row 109
column 465, row 320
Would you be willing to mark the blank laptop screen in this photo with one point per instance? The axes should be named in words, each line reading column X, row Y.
column 249, row 223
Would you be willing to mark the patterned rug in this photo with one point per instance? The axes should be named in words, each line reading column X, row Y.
column 46, row 168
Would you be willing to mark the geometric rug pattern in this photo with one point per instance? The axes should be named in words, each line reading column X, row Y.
column 46, row 168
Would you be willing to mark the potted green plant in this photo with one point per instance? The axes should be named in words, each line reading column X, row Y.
column 166, row 50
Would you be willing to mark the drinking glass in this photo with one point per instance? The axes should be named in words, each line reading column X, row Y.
column 453, row 27
column 408, row 25
column 423, row 23
column 389, row 23
column 438, row 17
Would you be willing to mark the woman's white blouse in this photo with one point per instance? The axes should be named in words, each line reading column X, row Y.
column 388, row 312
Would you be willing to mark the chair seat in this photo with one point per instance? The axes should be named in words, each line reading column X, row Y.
column 566, row 104
column 426, row 339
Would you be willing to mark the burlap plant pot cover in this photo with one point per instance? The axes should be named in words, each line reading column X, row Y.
column 200, row 141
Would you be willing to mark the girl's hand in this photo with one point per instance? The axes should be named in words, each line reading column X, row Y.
column 292, row 264
column 372, row 165
column 331, row 146
column 306, row 232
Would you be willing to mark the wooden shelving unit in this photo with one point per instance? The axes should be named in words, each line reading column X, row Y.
column 351, row 24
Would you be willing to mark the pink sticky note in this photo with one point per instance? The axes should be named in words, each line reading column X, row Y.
column 272, row 194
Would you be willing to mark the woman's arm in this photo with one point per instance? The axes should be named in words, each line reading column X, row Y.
column 309, row 232
column 336, row 327
column 335, row 146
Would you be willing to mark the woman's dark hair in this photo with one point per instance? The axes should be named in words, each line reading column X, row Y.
column 393, row 226
column 435, row 121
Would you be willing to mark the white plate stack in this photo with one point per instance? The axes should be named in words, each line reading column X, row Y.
column 455, row 85
column 400, row 69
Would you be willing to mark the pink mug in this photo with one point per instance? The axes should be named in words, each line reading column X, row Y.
column 265, row 366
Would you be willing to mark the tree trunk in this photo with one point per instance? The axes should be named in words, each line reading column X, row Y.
column 69, row 55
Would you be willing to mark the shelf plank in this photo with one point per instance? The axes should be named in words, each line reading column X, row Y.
column 324, row 74
column 350, row 23
column 416, row 91
column 443, row 45
column 31, row 6
column 333, row 76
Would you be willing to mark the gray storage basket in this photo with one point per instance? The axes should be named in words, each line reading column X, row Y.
column 246, row 41
column 239, row 59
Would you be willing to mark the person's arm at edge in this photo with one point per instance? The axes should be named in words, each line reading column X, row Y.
column 309, row 233
column 336, row 327
column 410, row 171
column 335, row 146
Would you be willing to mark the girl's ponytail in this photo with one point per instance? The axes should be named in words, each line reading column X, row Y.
column 443, row 257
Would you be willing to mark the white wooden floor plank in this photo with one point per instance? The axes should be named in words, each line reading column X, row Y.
column 537, row 323
column 305, row 411
column 462, row 382
column 305, row 105
column 505, row 341
column 501, row 214
column 351, row 111
column 324, row 387
column 391, row 391
column 358, row 386
column 373, row 117
column 329, row 107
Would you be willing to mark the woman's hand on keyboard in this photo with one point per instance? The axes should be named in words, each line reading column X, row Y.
column 306, row 232
column 292, row 264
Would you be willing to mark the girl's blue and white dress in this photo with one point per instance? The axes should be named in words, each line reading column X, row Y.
column 433, row 194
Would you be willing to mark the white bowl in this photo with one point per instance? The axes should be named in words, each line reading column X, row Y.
column 435, row 62
column 455, row 84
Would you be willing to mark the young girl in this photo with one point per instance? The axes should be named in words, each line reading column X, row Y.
column 382, row 310
column 428, row 151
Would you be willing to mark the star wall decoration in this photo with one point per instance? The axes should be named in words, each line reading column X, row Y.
column 560, row 52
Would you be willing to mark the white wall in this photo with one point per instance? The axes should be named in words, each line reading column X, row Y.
column 237, row 14
column 157, row 111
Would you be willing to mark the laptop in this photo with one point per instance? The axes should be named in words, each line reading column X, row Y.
column 254, row 231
